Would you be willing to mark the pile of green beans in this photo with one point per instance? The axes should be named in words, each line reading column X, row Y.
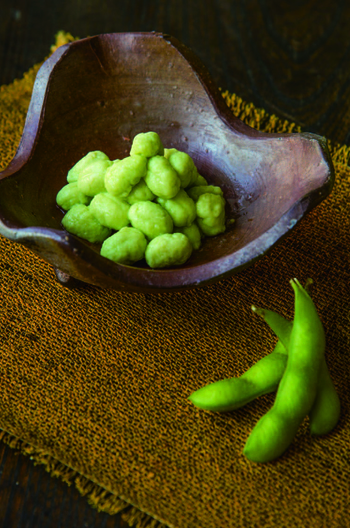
column 296, row 369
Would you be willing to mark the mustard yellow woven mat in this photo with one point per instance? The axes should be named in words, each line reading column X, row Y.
column 94, row 383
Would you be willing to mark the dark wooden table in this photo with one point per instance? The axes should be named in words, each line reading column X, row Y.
column 291, row 58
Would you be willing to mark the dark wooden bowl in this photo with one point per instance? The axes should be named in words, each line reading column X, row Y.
column 96, row 94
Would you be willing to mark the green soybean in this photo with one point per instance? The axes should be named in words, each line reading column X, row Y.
column 193, row 234
column 181, row 208
column 80, row 221
column 124, row 174
column 211, row 214
column 147, row 144
column 110, row 211
column 70, row 195
column 297, row 390
column 150, row 218
column 126, row 246
column 170, row 249
column 184, row 166
column 161, row 178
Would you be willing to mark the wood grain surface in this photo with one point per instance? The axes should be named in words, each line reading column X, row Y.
column 30, row 498
column 291, row 58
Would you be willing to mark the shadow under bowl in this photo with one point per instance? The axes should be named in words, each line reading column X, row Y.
column 97, row 94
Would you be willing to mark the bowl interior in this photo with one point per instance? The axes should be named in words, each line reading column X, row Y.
column 104, row 90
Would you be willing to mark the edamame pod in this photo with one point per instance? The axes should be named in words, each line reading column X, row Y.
column 297, row 390
column 278, row 324
column 325, row 411
column 232, row 393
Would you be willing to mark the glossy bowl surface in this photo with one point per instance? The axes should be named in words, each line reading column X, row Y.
column 97, row 94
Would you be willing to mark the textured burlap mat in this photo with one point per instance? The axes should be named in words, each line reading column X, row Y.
column 94, row 383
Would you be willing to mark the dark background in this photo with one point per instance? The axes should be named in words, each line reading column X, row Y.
column 291, row 58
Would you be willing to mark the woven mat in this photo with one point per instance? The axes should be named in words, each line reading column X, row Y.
column 94, row 383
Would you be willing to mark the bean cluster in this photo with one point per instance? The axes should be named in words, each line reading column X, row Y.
column 296, row 369
column 152, row 204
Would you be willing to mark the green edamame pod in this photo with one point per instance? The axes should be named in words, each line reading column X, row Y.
column 232, row 393
column 297, row 390
column 278, row 324
column 325, row 411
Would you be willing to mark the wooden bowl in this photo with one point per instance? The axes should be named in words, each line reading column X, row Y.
column 97, row 94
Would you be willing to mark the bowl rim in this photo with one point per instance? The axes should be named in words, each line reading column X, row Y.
column 133, row 277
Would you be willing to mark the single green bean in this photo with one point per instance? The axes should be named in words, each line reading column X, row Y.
column 297, row 390
column 262, row 378
column 232, row 393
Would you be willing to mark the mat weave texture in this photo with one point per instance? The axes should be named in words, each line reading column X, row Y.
column 94, row 383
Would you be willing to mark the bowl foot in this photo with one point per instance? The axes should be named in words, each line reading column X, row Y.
column 65, row 280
